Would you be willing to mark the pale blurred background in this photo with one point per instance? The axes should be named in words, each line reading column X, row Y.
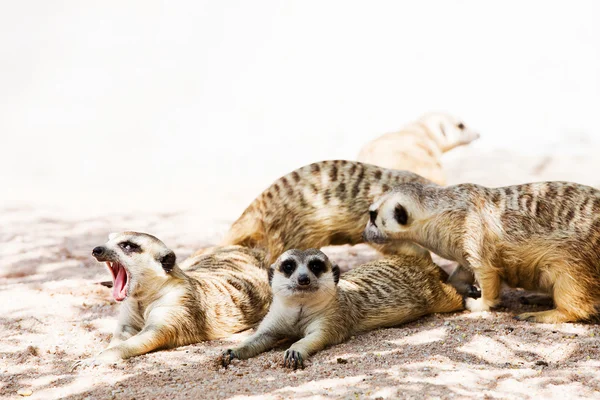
column 196, row 105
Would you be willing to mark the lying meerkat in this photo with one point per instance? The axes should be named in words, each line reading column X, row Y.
column 418, row 147
column 312, row 302
column 317, row 205
column 543, row 237
column 164, row 305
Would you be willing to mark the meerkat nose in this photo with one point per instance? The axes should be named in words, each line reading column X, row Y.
column 98, row 251
column 373, row 216
column 303, row 280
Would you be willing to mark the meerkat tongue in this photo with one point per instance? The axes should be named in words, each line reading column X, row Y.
column 120, row 285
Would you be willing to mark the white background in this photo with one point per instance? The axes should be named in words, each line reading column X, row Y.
column 122, row 100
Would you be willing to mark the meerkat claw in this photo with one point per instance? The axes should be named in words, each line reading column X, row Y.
column 293, row 359
column 227, row 357
column 86, row 362
column 524, row 317
column 474, row 292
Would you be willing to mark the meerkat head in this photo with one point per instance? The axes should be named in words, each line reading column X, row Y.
column 303, row 273
column 133, row 258
column 448, row 131
column 396, row 214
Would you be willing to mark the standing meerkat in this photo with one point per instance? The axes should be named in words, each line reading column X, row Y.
column 164, row 305
column 538, row 236
column 312, row 302
column 317, row 205
column 419, row 146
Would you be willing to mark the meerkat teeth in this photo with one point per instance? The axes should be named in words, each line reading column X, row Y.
column 538, row 236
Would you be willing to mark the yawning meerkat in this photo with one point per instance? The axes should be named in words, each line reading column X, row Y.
column 164, row 305
column 539, row 236
column 313, row 303
column 418, row 147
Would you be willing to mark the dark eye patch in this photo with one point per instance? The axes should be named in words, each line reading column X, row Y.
column 461, row 126
column 288, row 267
column 400, row 214
column 316, row 266
column 130, row 247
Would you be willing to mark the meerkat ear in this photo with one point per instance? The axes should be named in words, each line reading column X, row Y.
column 400, row 214
column 271, row 272
column 168, row 261
column 336, row 273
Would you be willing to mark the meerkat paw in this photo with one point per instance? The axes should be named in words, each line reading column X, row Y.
column 92, row 362
column 105, row 357
column 476, row 305
column 293, row 359
column 546, row 317
column 226, row 358
column 473, row 292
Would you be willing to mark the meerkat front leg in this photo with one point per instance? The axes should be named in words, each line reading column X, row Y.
column 314, row 341
column 266, row 336
column 490, row 284
column 149, row 339
column 463, row 281
column 259, row 342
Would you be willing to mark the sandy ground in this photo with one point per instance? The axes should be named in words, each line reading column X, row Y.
column 53, row 312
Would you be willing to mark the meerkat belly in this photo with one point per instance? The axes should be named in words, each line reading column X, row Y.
column 526, row 266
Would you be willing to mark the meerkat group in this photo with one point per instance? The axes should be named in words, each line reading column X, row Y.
column 269, row 273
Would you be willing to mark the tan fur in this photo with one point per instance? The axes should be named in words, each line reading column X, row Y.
column 320, row 204
column 211, row 296
column 541, row 236
column 381, row 293
column 419, row 146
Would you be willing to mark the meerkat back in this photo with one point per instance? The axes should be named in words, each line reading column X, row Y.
column 235, row 286
column 398, row 289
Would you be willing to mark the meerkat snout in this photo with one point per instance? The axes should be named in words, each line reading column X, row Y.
column 98, row 251
column 303, row 280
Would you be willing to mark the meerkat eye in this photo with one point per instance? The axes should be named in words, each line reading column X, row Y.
column 288, row 266
column 130, row 247
column 400, row 214
column 461, row 126
column 316, row 266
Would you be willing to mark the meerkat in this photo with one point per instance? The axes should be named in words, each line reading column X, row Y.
column 317, row 205
column 543, row 237
column 311, row 302
column 419, row 146
column 164, row 305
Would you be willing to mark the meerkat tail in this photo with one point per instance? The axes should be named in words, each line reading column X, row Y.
column 245, row 231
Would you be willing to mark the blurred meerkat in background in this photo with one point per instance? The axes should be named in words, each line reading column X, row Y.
column 418, row 147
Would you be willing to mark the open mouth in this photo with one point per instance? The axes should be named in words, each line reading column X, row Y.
column 120, row 280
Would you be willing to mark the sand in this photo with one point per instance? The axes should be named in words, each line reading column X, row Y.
column 53, row 312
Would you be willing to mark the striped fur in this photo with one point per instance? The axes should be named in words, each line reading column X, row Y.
column 538, row 236
column 317, row 205
column 382, row 293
